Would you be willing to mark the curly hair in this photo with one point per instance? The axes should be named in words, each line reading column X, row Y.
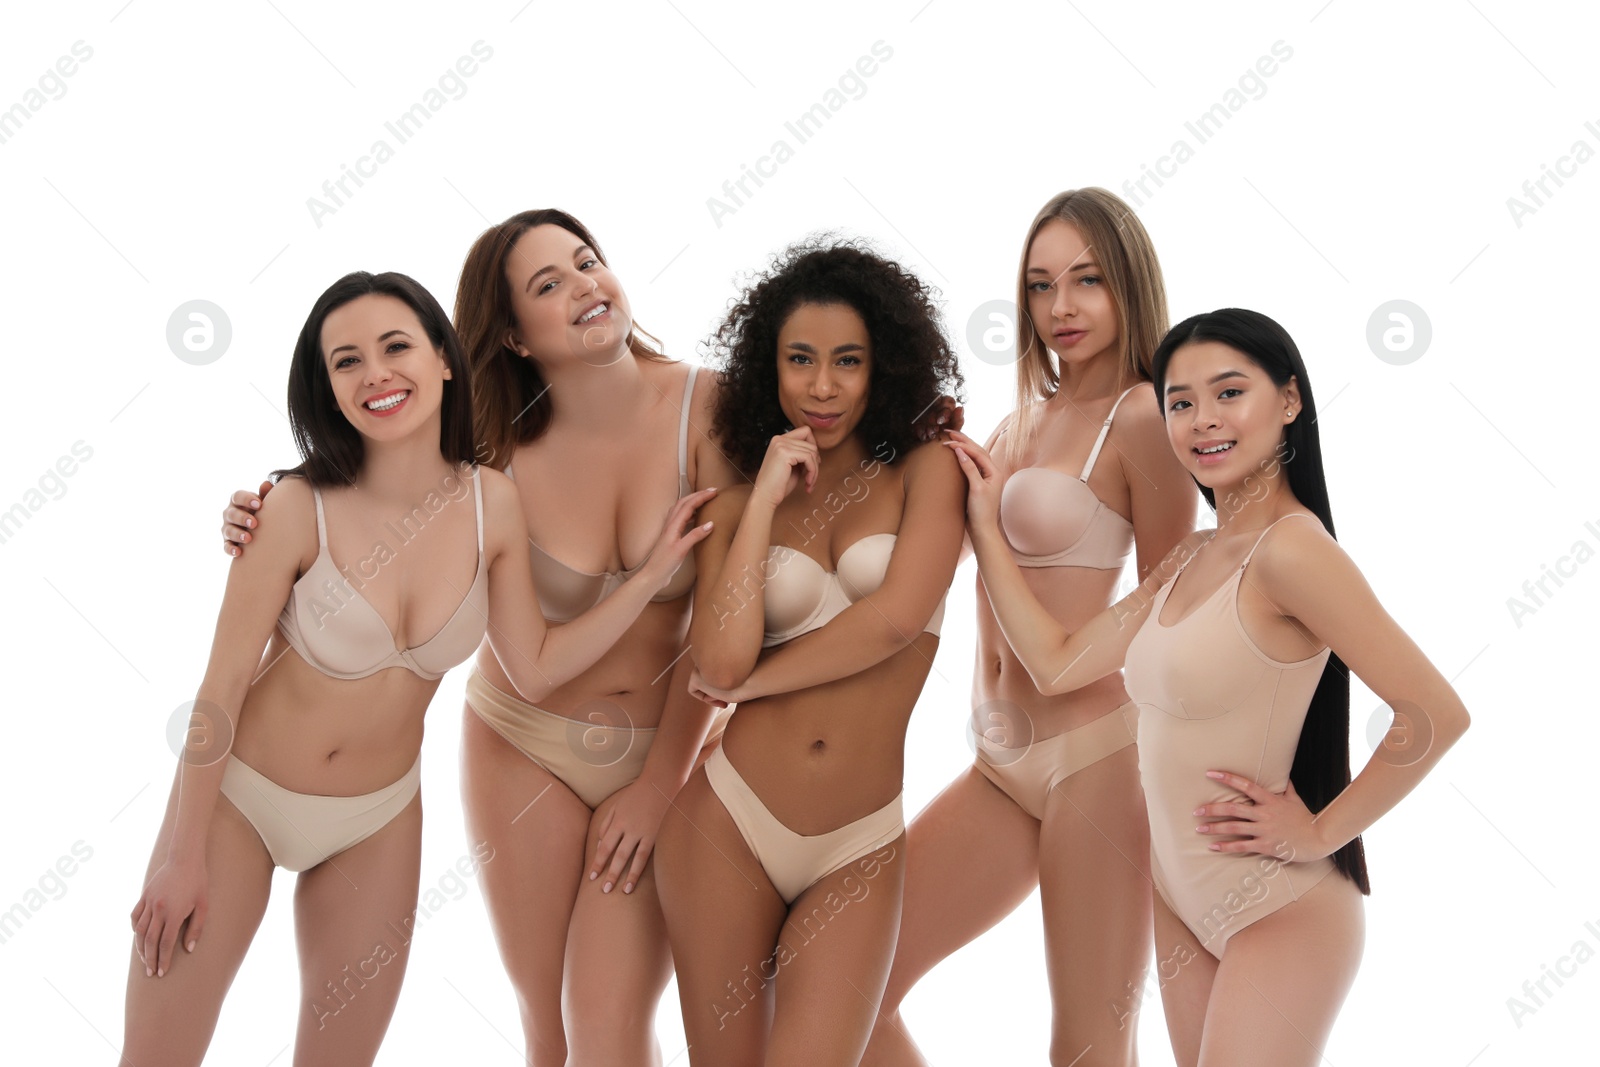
column 913, row 362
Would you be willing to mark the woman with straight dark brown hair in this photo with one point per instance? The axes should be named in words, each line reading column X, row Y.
column 304, row 751
column 602, row 434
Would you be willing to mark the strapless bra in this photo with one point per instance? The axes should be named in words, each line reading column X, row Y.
column 1051, row 519
column 567, row 592
column 339, row 633
column 799, row 596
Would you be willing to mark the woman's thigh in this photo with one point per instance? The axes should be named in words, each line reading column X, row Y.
column 723, row 920
column 171, row 1019
column 1283, row 978
column 355, row 913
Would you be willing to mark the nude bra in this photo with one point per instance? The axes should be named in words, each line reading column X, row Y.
column 566, row 592
column 339, row 633
column 1052, row 519
column 799, row 596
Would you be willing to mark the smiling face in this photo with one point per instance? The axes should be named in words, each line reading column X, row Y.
column 1068, row 300
column 1225, row 415
column 568, row 305
column 824, row 370
column 386, row 375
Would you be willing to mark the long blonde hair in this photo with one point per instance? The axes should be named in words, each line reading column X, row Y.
column 1127, row 259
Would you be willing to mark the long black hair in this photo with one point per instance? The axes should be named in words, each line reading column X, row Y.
column 331, row 449
column 1322, row 759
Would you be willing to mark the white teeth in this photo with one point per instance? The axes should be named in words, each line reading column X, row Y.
column 591, row 313
column 1215, row 448
column 387, row 402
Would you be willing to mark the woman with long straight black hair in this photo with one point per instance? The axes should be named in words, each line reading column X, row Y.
column 1235, row 650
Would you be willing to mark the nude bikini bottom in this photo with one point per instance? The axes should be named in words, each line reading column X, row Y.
column 1027, row 775
column 301, row 830
column 795, row 862
column 592, row 760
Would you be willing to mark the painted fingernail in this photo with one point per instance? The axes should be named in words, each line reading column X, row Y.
column 606, row 888
column 255, row 503
column 162, row 973
column 1199, row 811
column 1213, row 774
column 628, row 888
column 148, row 973
column 593, row 875
column 250, row 523
column 190, row 946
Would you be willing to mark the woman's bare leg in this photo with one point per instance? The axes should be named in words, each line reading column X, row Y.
column 724, row 919
column 354, row 914
column 1282, row 980
column 834, row 959
column 972, row 855
column 536, row 828
column 618, row 964
column 170, row 1020
column 1094, row 882
column 1184, row 972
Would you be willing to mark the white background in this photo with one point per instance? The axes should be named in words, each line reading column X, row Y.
column 1376, row 166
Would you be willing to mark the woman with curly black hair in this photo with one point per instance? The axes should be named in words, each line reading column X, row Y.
column 781, row 864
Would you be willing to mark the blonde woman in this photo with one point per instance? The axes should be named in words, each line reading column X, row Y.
column 1053, row 797
column 1236, row 648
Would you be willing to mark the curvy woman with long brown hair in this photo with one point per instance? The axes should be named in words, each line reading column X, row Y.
column 602, row 435
column 307, row 755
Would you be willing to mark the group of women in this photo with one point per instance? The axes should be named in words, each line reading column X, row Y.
column 638, row 824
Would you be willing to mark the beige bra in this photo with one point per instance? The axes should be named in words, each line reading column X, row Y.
column 567, row 592
column 339, row 633
column 800, row 596
column 1052, row 519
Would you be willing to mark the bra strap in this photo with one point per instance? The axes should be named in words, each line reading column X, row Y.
column 1105, row 429
column 322, row 525
column 477, row 500
column 683, row 423
column 1252, row 552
